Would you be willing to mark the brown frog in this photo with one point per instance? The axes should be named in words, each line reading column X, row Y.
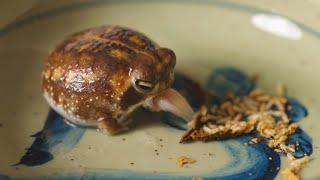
column 98, row 76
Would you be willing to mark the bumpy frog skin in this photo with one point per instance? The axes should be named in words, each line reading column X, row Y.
column 98, row 76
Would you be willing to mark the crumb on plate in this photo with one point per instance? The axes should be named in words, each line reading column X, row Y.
column 183, row 160
column 255, row 140
column 292, row 172
column 235, row 116
column 260, row 112
column 289, row 174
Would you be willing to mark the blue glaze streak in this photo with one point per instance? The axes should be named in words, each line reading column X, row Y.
column 227, row 79
column 55, row 137
column 298, row 111
column 256, row 156
column 257, row 160
column 4, row 177
column 258, row 165
column 304, row 141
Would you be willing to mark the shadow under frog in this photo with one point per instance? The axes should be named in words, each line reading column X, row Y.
column 57, row 137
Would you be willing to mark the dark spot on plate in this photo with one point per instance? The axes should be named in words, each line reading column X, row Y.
column 227, row 79
column 297, row 111
column 304, row 141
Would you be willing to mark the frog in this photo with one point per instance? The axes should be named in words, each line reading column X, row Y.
column 98, row 76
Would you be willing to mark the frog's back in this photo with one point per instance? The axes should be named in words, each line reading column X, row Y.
column 109, row 38
column 113, row 48
column 91, row 69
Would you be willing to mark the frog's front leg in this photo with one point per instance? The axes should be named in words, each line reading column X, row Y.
column 111, row 126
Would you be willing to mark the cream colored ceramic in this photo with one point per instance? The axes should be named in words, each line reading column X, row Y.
column 204, row 34
column 12, row 9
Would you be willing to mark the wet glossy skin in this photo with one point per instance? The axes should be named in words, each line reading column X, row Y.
column 89, row 78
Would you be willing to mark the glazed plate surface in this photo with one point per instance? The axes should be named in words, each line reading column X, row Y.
column 205, row 35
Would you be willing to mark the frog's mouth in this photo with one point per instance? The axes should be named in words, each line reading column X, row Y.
column 172, row 101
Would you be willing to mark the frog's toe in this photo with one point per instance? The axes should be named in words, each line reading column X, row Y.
column 111, row 127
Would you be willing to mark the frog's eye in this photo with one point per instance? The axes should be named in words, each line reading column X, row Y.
column 144, row 86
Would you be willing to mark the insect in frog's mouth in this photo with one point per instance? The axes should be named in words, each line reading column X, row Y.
column 172, row 101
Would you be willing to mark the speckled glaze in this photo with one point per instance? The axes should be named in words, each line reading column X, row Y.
column 89, row 78
column 205, row 35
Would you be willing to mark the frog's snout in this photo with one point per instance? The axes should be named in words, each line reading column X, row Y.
column 172, row 101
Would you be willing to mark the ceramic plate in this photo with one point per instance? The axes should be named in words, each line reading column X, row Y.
column 207, row 36
column 17, row 8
